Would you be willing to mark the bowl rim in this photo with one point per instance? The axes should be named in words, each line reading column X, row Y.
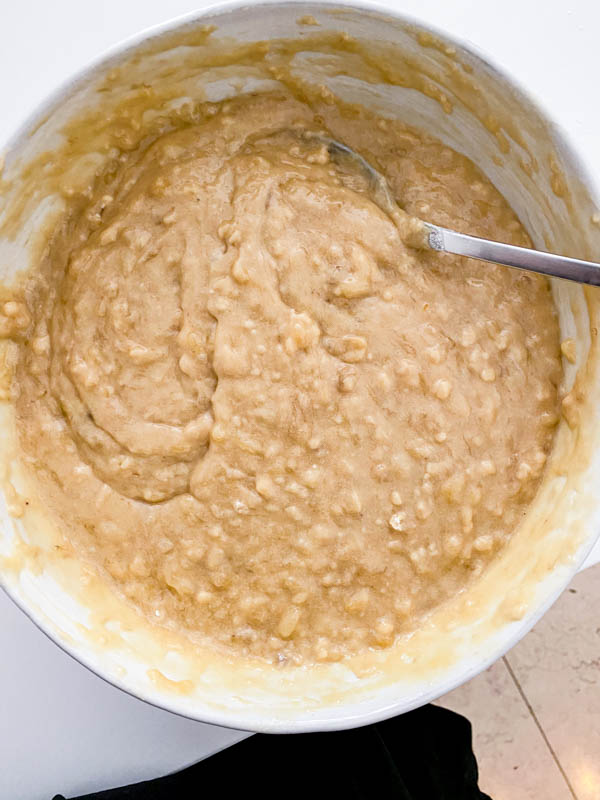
column 310, row 722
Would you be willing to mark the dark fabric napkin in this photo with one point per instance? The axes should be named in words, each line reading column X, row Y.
column 425, row 754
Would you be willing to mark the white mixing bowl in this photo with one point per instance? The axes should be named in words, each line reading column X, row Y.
column 469, row 104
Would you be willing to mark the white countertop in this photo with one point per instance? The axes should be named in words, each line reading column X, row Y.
column 62, row 729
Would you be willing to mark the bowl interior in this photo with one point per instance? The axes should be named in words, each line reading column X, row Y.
column 446, row 89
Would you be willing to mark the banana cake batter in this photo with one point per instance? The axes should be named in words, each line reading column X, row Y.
column 257, row 408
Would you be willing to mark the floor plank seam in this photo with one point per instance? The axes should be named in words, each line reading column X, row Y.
column 539, row 726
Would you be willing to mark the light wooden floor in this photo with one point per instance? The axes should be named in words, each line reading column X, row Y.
column 536, row 712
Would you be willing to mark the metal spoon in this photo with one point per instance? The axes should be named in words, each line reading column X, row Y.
column 448, row 241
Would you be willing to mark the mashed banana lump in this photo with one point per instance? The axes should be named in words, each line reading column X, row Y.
column 256, row 408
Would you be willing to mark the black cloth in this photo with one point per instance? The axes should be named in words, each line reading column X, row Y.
column 425, row 754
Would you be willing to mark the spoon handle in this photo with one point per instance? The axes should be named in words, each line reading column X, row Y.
column 571, row 269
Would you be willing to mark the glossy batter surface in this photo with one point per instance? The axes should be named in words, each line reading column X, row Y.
column 257, row 409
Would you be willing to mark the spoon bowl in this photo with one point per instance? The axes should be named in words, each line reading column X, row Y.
column 427, row 235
